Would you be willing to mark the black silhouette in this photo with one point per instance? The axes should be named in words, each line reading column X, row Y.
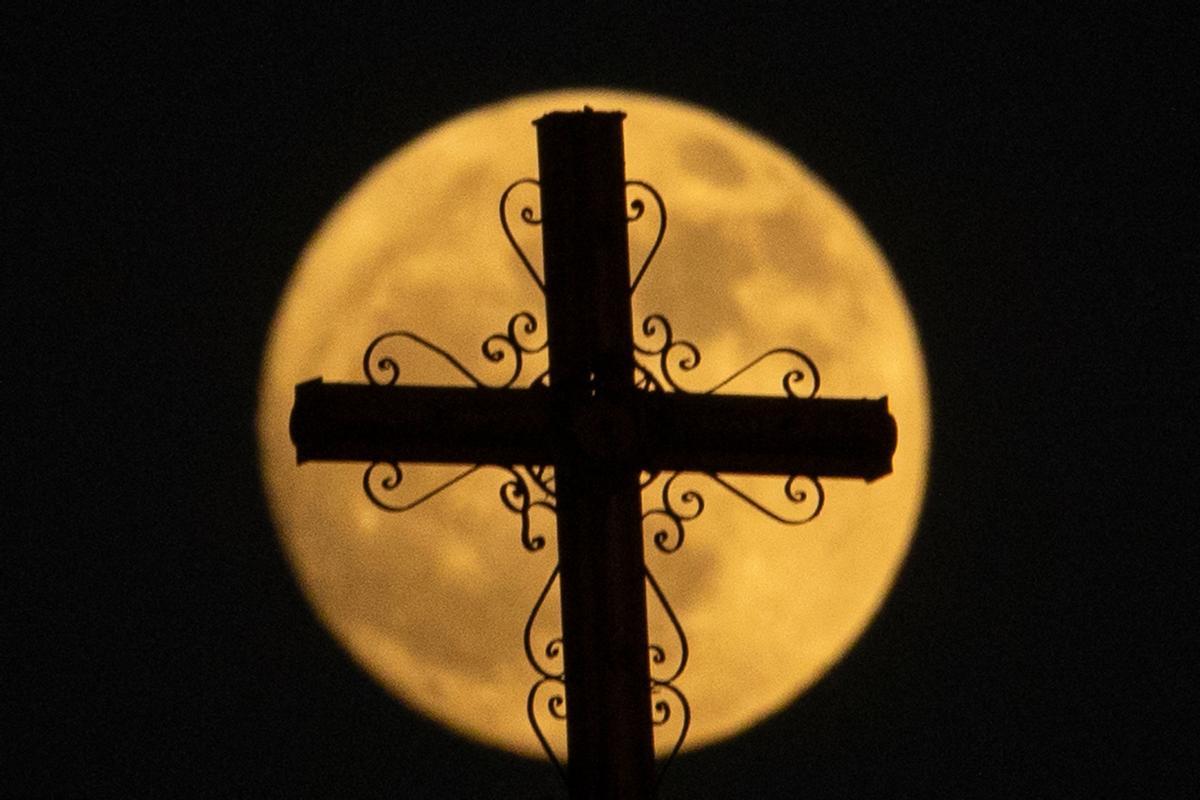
column 606, row 414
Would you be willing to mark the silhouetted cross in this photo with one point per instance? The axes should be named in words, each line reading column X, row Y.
column 601, row 428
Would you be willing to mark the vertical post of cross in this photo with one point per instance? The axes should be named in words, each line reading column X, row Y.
column 585, row 251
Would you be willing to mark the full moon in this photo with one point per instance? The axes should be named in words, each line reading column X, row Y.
column 758, row 253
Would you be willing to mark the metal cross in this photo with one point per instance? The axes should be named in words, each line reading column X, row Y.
column 602, row 422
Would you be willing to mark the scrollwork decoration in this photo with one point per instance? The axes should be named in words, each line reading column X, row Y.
column 514, row 342
column 517, row 498
column 662, row 680
column 672, row 353
column 383, row 481
column 383, row 484
column 637, row 209
column 806, row 374
column 658, row 653
column 662, row 695
column 675, row 357
column 669, row 517
column 529, row 217
column 803, row 495
column 804, row 492
column 556, row 705
column 553, row 648
column 381, row 367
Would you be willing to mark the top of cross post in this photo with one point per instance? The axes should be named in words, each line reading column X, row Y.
column 563, row 117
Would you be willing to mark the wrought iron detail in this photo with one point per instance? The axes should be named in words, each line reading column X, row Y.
column 791, row 379
column 671, row 355
column 529, row 217
column 637, row 209
column 663, row 691
column 517, row 498
column 661, row 696
column 546, row 660
column 665, row 524
column 383, row 483
column 553, row 648
column 803, row 495
column 658, row 653
column 674, row 511
column 384, row 370
column 803, row 491
column 556, row 705
column 392, row 480
column 513, row 344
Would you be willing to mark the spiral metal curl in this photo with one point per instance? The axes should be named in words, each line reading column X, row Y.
column 677, row 356
column 662, row 694
column 807, row 373
column 553, row 648
column 671, row 514
column 513, row 344
column 802, row 491
column 384, row 370
column 637, row 211
column 675, row 510
column 672, row 353
column 378, row 488
column 384, row 480
column 658, row 654
column 556, row 706
column 517, row 498
column 529, row 217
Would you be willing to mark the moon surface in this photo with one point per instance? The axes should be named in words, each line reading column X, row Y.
column 758, row 254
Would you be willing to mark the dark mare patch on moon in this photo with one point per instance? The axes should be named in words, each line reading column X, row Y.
column 711, row 161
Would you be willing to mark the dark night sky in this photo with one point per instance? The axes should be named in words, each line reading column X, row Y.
column 1023, row 172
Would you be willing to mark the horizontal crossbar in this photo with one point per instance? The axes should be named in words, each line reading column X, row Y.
column 820, row 437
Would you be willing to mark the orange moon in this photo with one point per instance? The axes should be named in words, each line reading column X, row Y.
column 758, row 254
